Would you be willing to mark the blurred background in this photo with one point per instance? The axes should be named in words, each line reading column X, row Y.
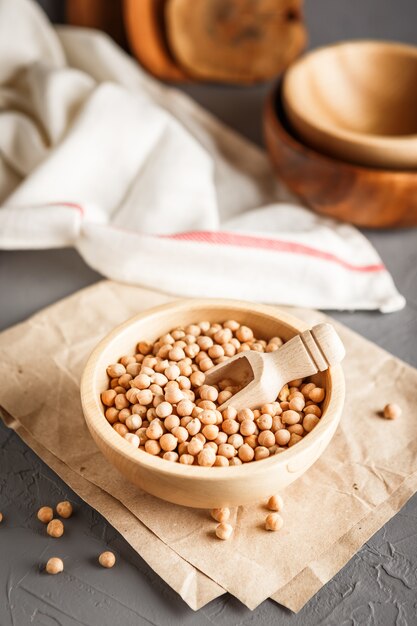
column 327, row 21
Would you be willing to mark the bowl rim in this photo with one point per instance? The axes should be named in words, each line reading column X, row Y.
column 276, row 119
column 96, row 420
column 330, row 130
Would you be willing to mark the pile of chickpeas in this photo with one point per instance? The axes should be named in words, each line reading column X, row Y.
column 158, row 400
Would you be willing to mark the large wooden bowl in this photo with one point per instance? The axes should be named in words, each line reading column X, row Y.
column 196, row 486
column 364, row 196
column 357, row 101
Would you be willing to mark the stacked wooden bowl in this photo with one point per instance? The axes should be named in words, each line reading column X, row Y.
column 232, row 41
column 341, row 129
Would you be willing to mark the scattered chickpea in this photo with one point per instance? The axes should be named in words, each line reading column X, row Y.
column 392, row 411
column 54, row 565
column 64, row 509
column 1, row 517
column 274, row 522
column 220, row 515
column 45, row 514
column 107, row 559
column 224, row 531
column 275, row 503
column 55, row 528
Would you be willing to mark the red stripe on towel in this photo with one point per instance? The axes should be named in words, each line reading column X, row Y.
column 263, row 243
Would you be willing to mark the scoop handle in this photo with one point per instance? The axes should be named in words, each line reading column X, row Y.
column 309, row 352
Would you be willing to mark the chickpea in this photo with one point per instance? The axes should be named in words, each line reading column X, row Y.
column 55, row 528
column 221, row 438
column 180, row 433
column 154, row 430
column 246, row 453
column 317, row 394
column 266, row 438
column 45, row 514
column 120, row 428
column 245, row 414
column 297, row 429
column 108, row 397
column 112, row 415
column 229, row 413
column 116, row 370
column 244, row 334
column 220, row 515
column 276, row 503
column 185, row 407
column 64, row 509
column 294, row 438
column 290, row 417
column 224, row 396
column 227, row 450
column 274, row 522
column 1, row 517
column 145, row 397
column 392, row 411
column 276, row 424
column 210, row 432
column 208, row 416
column 54, row 565
column 261, row 452
column 195, row 446
column 152, row 447
column 312, row 409
column 221, row 461
column 264, row 422
column 164, row 409
column 206, row 364
column 224, row 531
column 172, row 421
column 187, row 459
column 305, row 389
column 297, row 403
column 207, row 457
column 310, row 421
column 107, row 559
column 133, row 422
column 168, row 442
column 236, row 440
column 235, row 461
column 173, row 395
column 282, row 437
column 247, row 427
column 170, row 456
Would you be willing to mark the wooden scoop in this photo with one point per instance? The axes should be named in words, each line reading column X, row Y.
column 264, row 374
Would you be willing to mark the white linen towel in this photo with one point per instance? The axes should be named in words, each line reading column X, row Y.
column 151, row 189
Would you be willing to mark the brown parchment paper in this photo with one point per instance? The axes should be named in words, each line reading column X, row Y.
column 363, row 478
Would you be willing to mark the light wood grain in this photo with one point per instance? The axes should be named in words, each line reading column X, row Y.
column 357, row 101
column 262, row 374
column 193, row 485
column 364, row 196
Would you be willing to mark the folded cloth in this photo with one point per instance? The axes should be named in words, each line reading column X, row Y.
column 149, row 188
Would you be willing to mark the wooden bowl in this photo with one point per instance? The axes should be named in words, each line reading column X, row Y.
column 203, row 487
column 368, row 197
column 357, row 101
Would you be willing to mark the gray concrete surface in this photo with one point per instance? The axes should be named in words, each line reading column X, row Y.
column 377, row 587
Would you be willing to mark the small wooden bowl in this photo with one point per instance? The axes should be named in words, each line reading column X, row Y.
column 357, row 101
column 196, row 486
column 368, row 197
